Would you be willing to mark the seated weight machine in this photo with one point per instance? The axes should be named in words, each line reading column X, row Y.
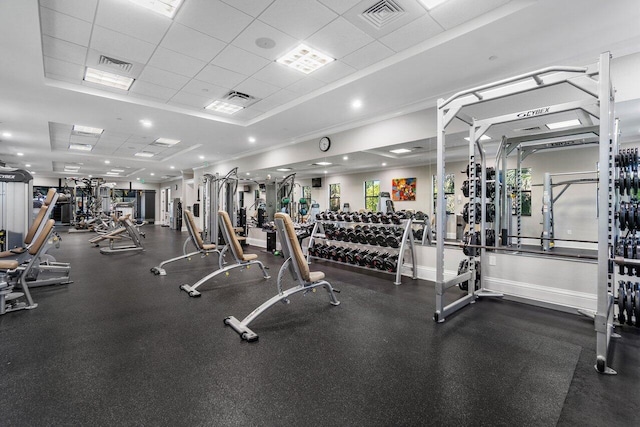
column 127, row 231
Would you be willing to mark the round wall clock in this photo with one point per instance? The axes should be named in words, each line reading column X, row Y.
column 324, row 143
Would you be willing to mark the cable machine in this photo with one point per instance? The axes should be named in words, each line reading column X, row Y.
column 591, row 82
column 219, row 194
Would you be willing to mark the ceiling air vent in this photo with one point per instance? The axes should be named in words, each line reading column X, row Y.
column 239, row 98
column 382, row 13
column 115, row 63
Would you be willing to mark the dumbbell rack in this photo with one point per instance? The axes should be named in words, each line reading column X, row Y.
column 405, row 244
column 627, row 247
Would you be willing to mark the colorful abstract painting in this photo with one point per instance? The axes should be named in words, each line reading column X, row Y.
column 403, row 189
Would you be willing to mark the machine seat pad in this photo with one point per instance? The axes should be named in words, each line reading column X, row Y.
column 249, row 257
column 208, row 247
column 12, row 252
column 315, row 276
column 9, row 265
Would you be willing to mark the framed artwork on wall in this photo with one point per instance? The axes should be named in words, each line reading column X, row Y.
column 403, row 189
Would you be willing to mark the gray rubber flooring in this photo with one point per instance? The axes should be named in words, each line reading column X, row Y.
column 121, row 346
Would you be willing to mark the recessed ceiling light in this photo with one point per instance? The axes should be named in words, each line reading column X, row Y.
column 325, row 171
column 356, row 104
column 430, row 4
column 248, row 173
column 201, row 157
column 146, row 123
column 400, row 151
column 81, row 147
column 152, row 174
column 322, row 164
column 565, row 124
column 137, row 178
column 87, row 129
column 384, row 164
column 72, row 167
column 482, row 138
column 144, row 154
column 117, row 170
column 223, row 107
column 106, row 162
column 305, row 59
column 166, row 141
column 107, row 79
column 27, row 165
column 113, row 173
column 345, row 158
column 6, row 134
column 90, row 176
column 172, row 167
column 20, row 154
column 252, row 139
column 164, row 7
column 32, row 172
column 284, row 169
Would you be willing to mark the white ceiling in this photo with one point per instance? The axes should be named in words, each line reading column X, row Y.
column 210, row 48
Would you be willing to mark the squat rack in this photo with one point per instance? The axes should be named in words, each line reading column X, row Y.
column 593, row 81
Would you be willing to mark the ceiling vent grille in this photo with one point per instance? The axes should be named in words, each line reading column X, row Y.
column 239, row 98
column 382, row 13
column 115, row 63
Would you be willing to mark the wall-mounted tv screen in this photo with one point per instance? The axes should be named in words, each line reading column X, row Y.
column 316, row 182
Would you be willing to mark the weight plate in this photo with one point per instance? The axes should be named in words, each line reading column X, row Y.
column 636, row 309
column 629, row 305
column 621, row 296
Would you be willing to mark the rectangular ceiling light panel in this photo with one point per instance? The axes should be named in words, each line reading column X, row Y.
column 87, row 129
column 81, row 147
column 165, row 142
column 400, row 151
column 113, row 173
column 223, row 107
column 565, row 124
column 167, row 8
column 430, row 4
column 144, row 154
column 107, row 79
column 305, row 59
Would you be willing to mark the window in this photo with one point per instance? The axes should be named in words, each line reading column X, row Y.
column 449, row 190
column 371, row 195
column 525, row 187
column 306, row 193
column 334, row 197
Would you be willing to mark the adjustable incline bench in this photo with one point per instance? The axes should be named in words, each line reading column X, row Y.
column 297, row 265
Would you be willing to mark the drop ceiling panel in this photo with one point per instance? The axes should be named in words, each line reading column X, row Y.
column 192, row 43
column 306, row 85
column 65, row 69
column 247, row 40
column 162, row 78
column 256, row 88
column 65, row 27
column 82, row 9
column 120, row 46
column 197, row 87
column 247, row 114
column 455, row 12
column 132, row 20
column 339, row 39
column 151, row 90
column 299, row 18
column 339, row 6
column 278, row 75
column 175, row 62
column 239, row 60
column 413, row 33
column 333, row 71
column 220, row 76
column 190, row 100
column 214, row 18
column 63, row 50
column 251, row 7
column 368, row 55
column 277, row 99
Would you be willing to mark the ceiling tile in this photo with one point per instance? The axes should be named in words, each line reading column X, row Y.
column 299, row 18
column 214, row 18
column 368, row 55
column 340, row 6
column 163, row 78
column 455, row 12
column 63, row 50
column 73, row 80
column 65, row 27
column 278, row 75
column 120, row 46
column 247, row 114
column 183, row 98
column 152, row 90
column 64, row 69
column 247, row 40
column 251, row 7
column 333, row 71
column 133, row 20
column 306, row 85
column 197, row 87
column 175, row 62
column 82, row 9
column 192, row 43
column 220, row 76
column 411, row 34
column 277, row 99
column 339, row 39
column 256, row 88
column 239, row 60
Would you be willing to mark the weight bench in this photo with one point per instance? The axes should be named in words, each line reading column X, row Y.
column 16, row 274
column 242, row 260
column 297, row 265
column 133, row 234
column 194, row 236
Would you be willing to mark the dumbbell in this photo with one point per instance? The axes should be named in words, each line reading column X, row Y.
column 463, row 267
column 359, row 257
column 391, row 263
column 378, row 261
column 350, row 256
column 418, row 233
column 368, row 259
